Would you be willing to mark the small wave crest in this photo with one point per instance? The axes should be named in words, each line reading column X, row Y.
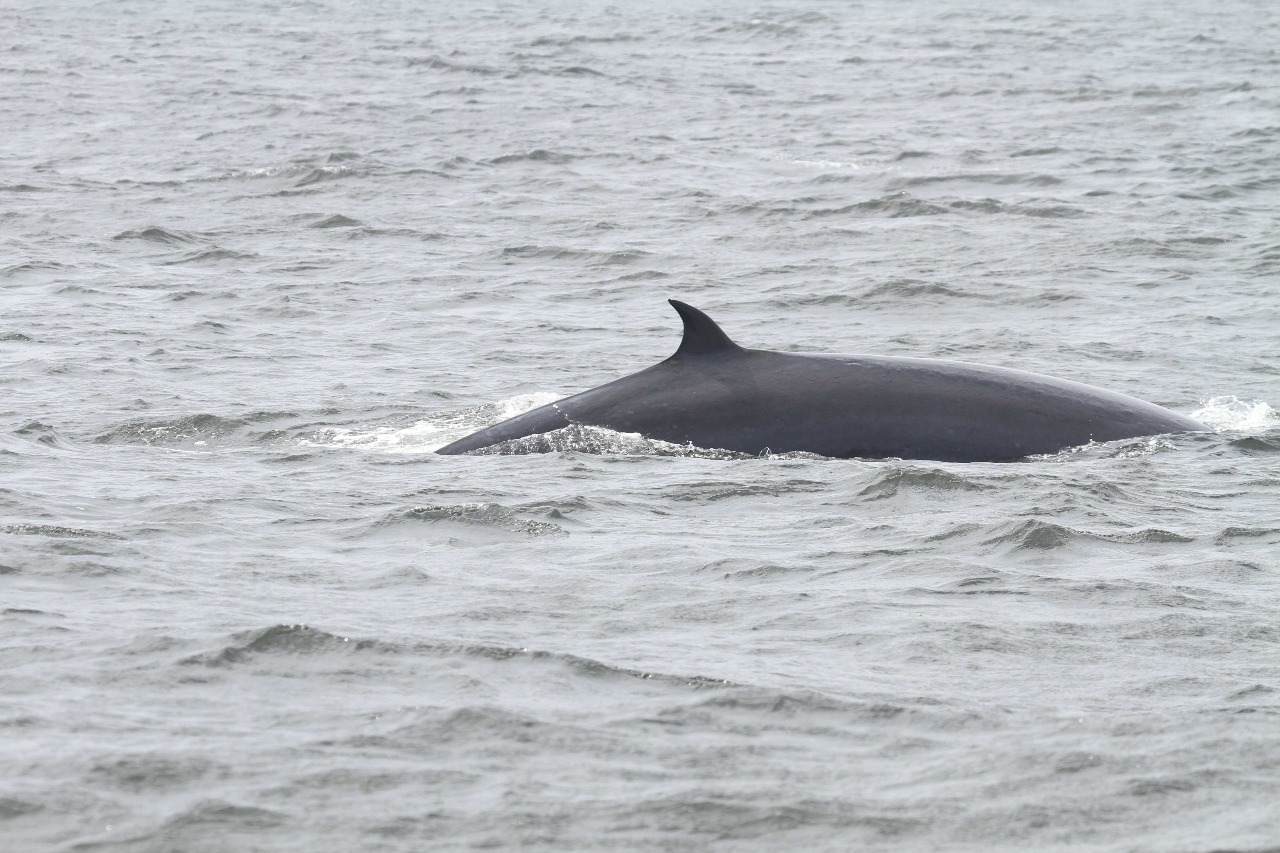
column 289, row 644
column 1042, row 535
column 893, row 481
column 286, row 640
column 1231, row 414
column 156, row 234
column 57, row 532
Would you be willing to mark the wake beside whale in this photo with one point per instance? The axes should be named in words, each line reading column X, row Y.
column 713, row 393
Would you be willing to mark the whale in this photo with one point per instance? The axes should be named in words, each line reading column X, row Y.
column 714, row 394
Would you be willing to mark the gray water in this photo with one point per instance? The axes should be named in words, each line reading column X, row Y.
column 258, row 260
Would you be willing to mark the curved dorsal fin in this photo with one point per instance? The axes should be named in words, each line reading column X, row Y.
column 701, row 334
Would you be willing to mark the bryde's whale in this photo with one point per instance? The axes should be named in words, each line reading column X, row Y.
column 713, row 393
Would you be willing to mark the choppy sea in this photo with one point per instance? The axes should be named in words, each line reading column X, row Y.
column 259, row 259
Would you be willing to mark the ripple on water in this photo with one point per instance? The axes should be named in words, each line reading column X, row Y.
column 153, row 772
column 735, row 568
column 12, row 807
column 486, row 515
column 892, row 206
column 209, row 815
column 710, row 491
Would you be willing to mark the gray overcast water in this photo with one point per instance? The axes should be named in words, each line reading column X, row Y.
column 258, row 260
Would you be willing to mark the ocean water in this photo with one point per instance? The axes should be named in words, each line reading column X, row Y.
column 259, row 259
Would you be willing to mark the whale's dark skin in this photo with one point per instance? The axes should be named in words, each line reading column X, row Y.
column 713, row 393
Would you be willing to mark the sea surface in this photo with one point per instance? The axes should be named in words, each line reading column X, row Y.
column 259, row 259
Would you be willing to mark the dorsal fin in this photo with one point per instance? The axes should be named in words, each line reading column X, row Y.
column 701, row 334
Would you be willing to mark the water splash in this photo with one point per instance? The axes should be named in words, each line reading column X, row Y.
column 1231, row 414
column 601, row 441
column 429, row 435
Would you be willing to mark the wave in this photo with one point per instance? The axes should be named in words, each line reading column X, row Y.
column 704, row 491
column 567, row 41
column 15, row 270
column 910, row 289
column 579, row 71
column 57, row 532
column 41, row 434
column 302, row 172
column 892, row 206
column 150, row 773
column 896, row 481
column 746, row 708
column 1041, row 535
column 336, row 221
column 284, row 640
column 536, row 155
column 290, row 641
column 156, row 234
column 195, row 430
column 1256, row 445
column 232, row 817
column 487, row 515
column 996, row 583
column 1035, row 210
column 435, row 63
column 904, row 204
column 1233, row 534
column 737, row 568
column 590, row 257
column 211, row 255
column 1033, row 179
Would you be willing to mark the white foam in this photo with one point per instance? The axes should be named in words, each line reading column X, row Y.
column 604, row 441
column 518, row 405
column 827, row 164
column 1231, row 414
column 429, row 435
column 421, row 437
column 1148, row 446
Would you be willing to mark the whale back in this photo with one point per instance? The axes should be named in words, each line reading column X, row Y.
column 713, row 393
